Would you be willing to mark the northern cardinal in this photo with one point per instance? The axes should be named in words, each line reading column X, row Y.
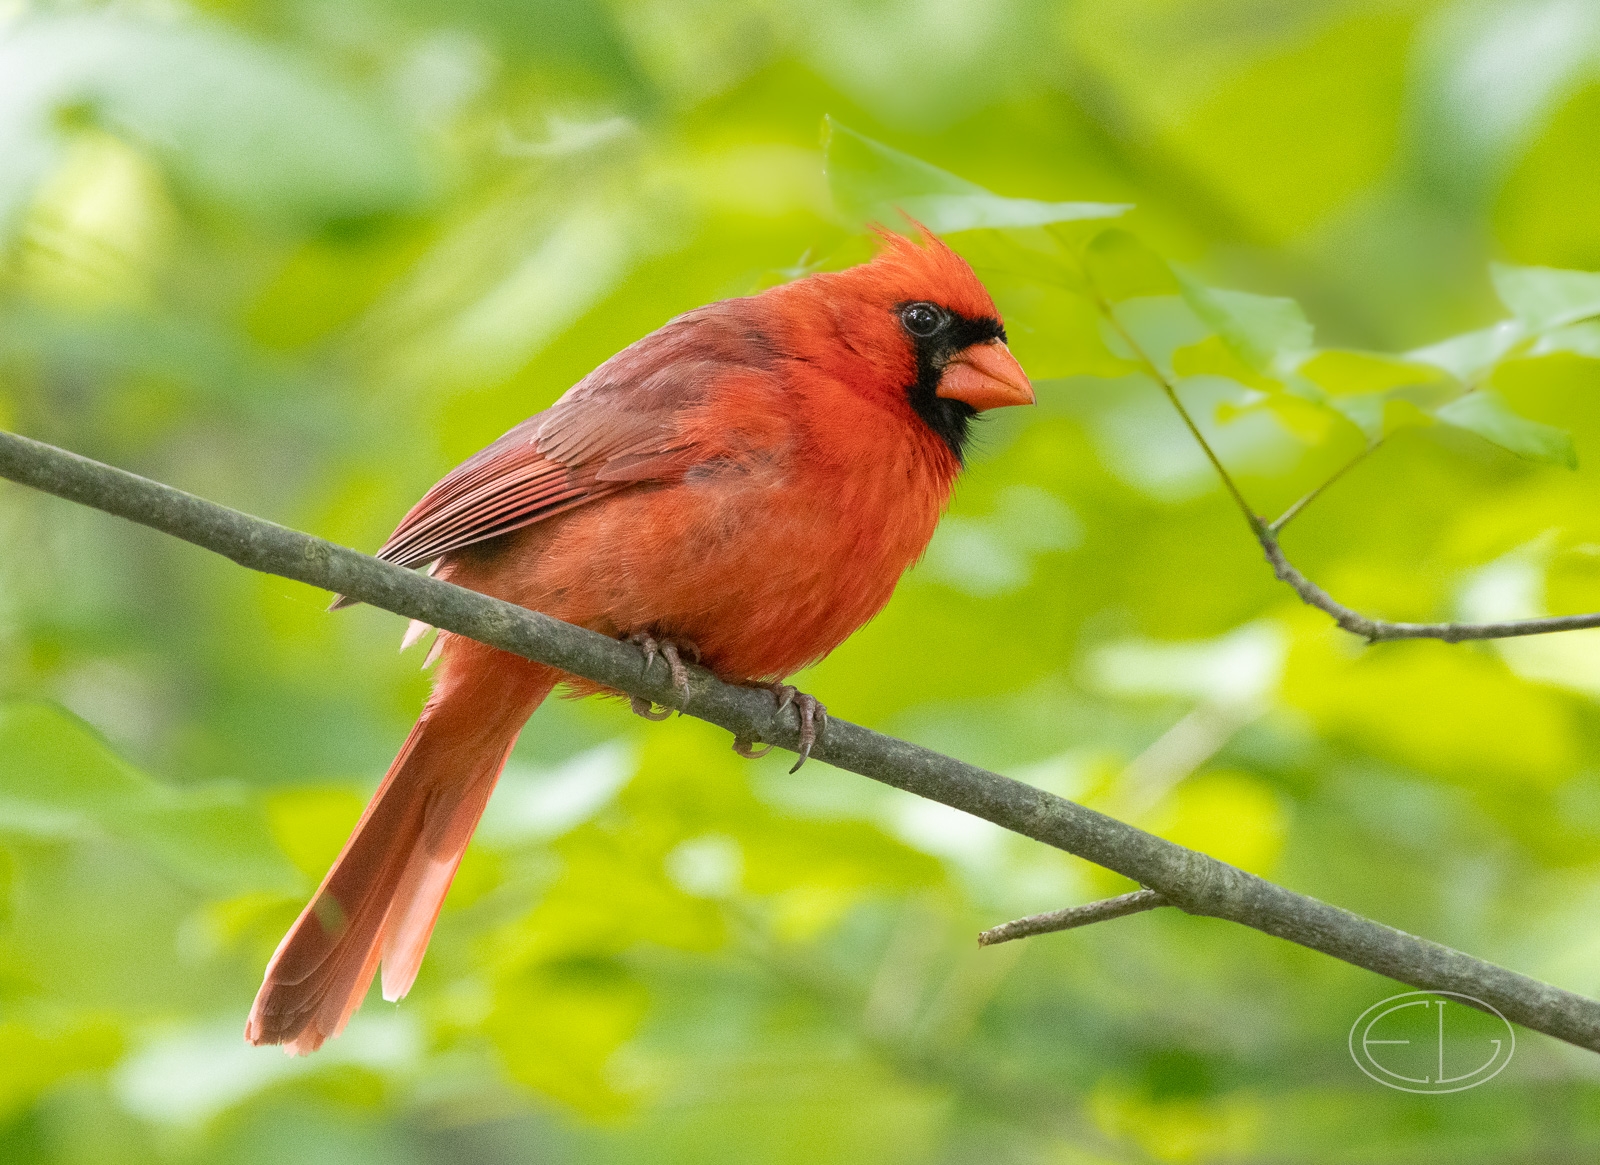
column 744, row 485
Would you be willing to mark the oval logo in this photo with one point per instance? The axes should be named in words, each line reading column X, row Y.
column 1432, row 1041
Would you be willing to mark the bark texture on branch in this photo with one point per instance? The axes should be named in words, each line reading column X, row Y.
column 1189, row 880
column 1073, row 917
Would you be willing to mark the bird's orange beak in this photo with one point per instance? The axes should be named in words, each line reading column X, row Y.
column 986, row 376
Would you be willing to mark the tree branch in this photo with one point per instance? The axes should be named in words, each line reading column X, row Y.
column 1106, row 909
column 1192, row 881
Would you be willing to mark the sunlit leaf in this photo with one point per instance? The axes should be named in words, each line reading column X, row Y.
column 1544, row 297
column 1485, row 413
column 1121, row 267
column 1213, row 356
column 1438, row 711
column 1152, row 327
column 840, row 856
column 1364, row 411
column 873, row 182
column 1266, row 331
column 1401, row 413
column 1469, row 355
column 1310, row 420
column 1057, row 334
column 1345, row 373
column 311, row 824
column 1580, row 339
column 1378, row 414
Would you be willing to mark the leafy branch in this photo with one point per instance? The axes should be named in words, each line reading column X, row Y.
column 1191, row 881
column 1262, row 344
column 1372, row 630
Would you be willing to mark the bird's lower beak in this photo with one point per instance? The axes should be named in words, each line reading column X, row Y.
column 986, row 376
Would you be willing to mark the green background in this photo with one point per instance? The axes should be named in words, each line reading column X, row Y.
column 301, row 258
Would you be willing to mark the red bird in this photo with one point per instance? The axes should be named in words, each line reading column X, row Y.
column 746, row 485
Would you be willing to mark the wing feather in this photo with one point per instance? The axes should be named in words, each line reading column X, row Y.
column 620, row 426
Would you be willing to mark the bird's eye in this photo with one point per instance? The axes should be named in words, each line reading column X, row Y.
column 922, row 319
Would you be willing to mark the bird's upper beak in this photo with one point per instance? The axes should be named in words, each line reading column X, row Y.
column 986, row 376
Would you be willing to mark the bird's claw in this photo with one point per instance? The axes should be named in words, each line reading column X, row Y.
column 813, row 718
column 671, row 650
column 643, row 707
column 745, row 747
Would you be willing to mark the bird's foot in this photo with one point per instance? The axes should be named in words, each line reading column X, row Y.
column 813, row 717
column 673, row 651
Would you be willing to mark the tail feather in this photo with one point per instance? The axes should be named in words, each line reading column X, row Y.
column 410, row 923
column 382, row 897
column 427, row 880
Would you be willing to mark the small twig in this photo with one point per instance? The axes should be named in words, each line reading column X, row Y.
column 1289, row 515
column 1171, row 389
column 1074, row 916
column 1381, row 630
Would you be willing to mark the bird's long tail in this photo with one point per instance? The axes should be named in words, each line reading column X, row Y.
column 383, row 894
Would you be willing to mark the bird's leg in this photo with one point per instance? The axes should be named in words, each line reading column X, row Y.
column 813, row 716
column 671, row 650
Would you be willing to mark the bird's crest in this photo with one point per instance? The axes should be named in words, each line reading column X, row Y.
column 929, row 270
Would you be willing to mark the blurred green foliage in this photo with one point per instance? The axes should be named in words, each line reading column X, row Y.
column 303, row 257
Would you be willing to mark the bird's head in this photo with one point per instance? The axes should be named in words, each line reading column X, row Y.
column 928, row 330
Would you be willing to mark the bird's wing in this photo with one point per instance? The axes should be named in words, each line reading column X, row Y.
column 621, row 425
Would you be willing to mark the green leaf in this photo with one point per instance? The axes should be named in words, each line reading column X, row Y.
column 1545, row 297
column 1468, row 356
column 1343, row 372
column 1378, row 414
column 1485, row 413
column 1377, row 393
column 1159, row 326
column 1268, row 332
column 1121, row 267
column 57, row 780
column 1364, row 412
column 1213, row 356
column 873, row 183
column 1582, row 339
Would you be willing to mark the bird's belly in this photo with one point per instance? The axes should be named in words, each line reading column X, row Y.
column 763, row 577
